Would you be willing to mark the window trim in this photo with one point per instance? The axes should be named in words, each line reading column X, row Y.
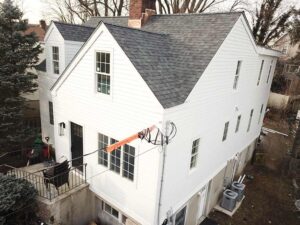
column 195, row 154
column 97, row 73
column 55, row 60
column 104, row 204
column 237, row 74
column 260, row 71
column 225, row 131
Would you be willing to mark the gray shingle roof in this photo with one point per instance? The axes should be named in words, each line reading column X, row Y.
column 73, row 32
column 171, row 51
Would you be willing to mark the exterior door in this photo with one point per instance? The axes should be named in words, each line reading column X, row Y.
column 76, row 146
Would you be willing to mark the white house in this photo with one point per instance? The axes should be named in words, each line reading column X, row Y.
column 203, row 72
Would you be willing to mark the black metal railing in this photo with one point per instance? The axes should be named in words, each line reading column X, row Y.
column 50, row 187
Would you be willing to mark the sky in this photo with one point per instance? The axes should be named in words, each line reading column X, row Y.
column 35, row 10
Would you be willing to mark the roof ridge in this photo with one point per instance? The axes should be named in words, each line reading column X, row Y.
column 72, row 24
column 135, row 29
column 199, row 14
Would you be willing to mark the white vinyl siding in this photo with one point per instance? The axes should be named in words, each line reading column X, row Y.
column 237, row 75
column 225, row 131
column 103, row 72
column 194, row 154
column 55, row 59
column 260, row 71
column 250, row 120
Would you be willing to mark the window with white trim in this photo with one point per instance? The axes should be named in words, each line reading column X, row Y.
column 121, row 159
column 102, row 153
column 250, row 120
column 194, row 155
column 115, row 158
column 55, row 59
column 128, row 162
column 238, row 121
column 110, row 210
column 103, row 72
column 260, row 113
column 260, row 71
column 225, row 131
column 237, row 75
column 270, row 69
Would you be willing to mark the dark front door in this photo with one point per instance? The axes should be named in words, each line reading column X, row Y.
column 76, row 146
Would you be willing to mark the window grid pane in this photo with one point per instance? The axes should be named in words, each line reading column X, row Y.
column 103, row 72
column 128, row 162
column 55, row 59
column 115, row 158
column 194, row 154
column 102, row 154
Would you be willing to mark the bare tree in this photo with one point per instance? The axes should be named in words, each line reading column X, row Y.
column 270, row 21
column 186, row 6
column 240, row 5
column 73, row 11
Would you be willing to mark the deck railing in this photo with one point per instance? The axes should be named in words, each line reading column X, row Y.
column 50, row 187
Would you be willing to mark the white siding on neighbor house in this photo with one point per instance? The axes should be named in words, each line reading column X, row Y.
column 213, row 102
column 130, row 108
column 67, row 50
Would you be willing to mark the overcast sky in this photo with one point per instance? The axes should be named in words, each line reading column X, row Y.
column 35, row 10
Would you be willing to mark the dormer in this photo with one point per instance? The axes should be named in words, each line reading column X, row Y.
column 62, row 42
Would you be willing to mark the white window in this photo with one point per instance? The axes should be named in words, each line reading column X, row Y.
column 110, row 210
column 115, row 158
column 55, row 59
column 103, row 72
column 225, row 131
column 238, row 121
column 194, row 154
column 124, row 154
column 260, row 71
column 260, row 113
column 102, row 153
column 250, row 120
column 180, row 217
column 237, row 74
column 292, row 68
column 270, row 69
column 128, row 162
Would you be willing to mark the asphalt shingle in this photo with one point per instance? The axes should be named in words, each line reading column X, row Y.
column 74, row 32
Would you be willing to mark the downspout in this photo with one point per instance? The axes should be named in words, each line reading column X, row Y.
column 164, row 148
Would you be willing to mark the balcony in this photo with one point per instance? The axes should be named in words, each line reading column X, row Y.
column 49, row 187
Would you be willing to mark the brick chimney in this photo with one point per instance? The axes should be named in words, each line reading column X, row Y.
column 140, row 11
column 43, row 24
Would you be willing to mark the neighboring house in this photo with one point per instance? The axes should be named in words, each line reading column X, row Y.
column 113, row 77
column 32, row 113
column 289, row 67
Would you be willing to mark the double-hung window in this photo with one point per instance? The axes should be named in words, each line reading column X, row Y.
column 225, row 131
column 260, row 71
column 194, row 154
column 55, row 59
column 250, row 120
column 120, row 159
column 103, row 72
column 237, row 75
column 238, row 122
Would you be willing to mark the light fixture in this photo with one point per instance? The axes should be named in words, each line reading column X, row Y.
column 61, row 128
